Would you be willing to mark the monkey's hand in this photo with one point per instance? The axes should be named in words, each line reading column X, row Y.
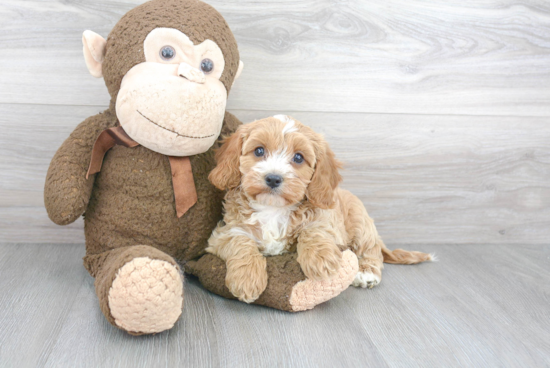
column 67, row 191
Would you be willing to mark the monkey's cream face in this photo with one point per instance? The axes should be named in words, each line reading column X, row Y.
column 174, row 103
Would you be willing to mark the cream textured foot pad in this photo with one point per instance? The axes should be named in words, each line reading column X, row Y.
column 146, row 296
column 309, row 293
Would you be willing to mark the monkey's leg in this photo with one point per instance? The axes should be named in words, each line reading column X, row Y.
column 140, row 288
column 287, row 289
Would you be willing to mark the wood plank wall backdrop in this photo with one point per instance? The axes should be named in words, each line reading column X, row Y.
column 440, row 108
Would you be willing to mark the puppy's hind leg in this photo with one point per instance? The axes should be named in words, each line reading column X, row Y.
column 370, row 266
column 365, row 242
column 368, row 246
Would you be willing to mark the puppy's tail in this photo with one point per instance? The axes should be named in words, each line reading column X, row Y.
column 400, row 256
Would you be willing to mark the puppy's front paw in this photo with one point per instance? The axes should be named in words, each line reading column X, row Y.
column 246, row 279
column 320, row 262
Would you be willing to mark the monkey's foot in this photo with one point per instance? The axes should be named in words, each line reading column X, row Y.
column 146, row 296
column 308, row 293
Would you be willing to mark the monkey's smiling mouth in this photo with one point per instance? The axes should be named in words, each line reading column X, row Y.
column 172, row 131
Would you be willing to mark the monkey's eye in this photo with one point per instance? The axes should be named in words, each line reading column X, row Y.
column 207, row 65
column 167, row 53
column 298, row 158
column 259, row 152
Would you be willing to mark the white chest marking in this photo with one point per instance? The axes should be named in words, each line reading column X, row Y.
column 274, row 222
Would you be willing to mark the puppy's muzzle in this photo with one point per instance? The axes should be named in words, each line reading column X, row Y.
column 273, row 181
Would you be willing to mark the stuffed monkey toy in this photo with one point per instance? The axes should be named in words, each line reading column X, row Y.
column 138, row 172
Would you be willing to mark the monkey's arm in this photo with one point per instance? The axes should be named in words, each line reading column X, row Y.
column 67, row 191
column 287, row 288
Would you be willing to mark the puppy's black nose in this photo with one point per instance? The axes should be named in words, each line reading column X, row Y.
column 273, row 181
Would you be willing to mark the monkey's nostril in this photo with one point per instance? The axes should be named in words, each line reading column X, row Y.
column 273, row 181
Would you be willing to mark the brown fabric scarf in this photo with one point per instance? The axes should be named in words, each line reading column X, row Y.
column 185, row 192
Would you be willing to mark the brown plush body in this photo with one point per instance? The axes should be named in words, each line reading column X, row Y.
column 135, row 242
column 130, row 202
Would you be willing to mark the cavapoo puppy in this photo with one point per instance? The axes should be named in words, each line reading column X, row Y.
column 283, row 196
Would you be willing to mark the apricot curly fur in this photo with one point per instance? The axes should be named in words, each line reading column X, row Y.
column 306, row 212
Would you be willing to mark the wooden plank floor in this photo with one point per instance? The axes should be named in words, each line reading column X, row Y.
column 477, row 306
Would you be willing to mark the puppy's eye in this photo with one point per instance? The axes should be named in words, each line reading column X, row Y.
column 298, row 158
column 259, row 152
column 167, row 53
column 207, row 65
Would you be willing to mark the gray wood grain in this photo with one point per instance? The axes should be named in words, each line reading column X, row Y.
column 440, row 111
column 476, row 299
column 38, row 286
column 444, row 179
column 397, row 56
column 424, row 179
column 477, row 306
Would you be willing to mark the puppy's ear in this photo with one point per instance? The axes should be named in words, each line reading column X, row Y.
column 320, row 191
column 226, row 174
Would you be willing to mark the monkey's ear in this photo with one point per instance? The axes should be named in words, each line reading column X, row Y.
column 94, row 52
column 239, row 71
